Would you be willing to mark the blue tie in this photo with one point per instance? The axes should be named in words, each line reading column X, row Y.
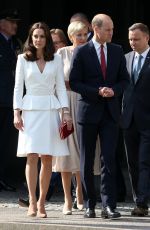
column 137, row 68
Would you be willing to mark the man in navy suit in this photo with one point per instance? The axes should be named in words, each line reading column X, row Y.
column 100, row 78
column 80, row 16
column 10, row 46
column 136, row 116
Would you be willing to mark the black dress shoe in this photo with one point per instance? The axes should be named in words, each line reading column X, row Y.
column 139, row 211
column 109, row 213
column 7, row 187
column 23, row 203
column 90, row 213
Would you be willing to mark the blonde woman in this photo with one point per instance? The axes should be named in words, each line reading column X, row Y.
column 70, row 165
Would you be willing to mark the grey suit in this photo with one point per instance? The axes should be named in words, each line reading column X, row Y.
column 136, row 123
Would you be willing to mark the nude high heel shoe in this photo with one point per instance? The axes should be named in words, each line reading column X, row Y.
column 80, row 206
column 32, row 210
column 77, row 205
column 41, row 213
column 67, row 210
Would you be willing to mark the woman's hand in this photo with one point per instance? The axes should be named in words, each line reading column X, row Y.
column 66, row 118
column 18, row 122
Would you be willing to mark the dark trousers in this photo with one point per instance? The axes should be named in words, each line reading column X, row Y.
column 10, row 166
column 121, row 164
column 107, row 129
column 138, row 157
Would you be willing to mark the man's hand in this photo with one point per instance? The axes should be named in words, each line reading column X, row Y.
column 106, row 92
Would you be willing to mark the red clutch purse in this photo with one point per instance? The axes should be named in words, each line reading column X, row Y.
column 64, row 132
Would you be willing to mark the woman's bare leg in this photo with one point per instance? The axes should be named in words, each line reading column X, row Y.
column 79, row 193
column 31, row 178
column 66, row 182
column 44, row 181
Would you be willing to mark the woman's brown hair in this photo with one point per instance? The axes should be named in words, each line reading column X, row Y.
column 29, row 49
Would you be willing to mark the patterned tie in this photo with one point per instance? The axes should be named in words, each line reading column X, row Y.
column 103, row 61
column 137, row 68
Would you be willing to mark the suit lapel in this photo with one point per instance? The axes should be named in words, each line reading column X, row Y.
column 94, row 57
column 3, row 40
column 130, row 67
column 6, row 46
column 145, row 65
column 109, row 61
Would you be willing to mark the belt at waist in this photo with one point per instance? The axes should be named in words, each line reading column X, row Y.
column 39, row 92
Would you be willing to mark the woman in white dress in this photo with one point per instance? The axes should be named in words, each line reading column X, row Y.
column 36, row 114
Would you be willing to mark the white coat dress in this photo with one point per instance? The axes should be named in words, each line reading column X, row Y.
column 45, row 94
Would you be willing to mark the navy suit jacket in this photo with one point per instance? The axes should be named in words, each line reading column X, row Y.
column 8, row 58
column 136, row 99
column 86, row 78
column 90, row 35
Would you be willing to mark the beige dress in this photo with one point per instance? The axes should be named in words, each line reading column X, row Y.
column 70, row 163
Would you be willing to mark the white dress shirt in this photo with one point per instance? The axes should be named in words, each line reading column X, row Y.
column 97, row 48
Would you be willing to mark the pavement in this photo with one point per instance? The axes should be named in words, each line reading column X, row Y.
column 13, row 217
